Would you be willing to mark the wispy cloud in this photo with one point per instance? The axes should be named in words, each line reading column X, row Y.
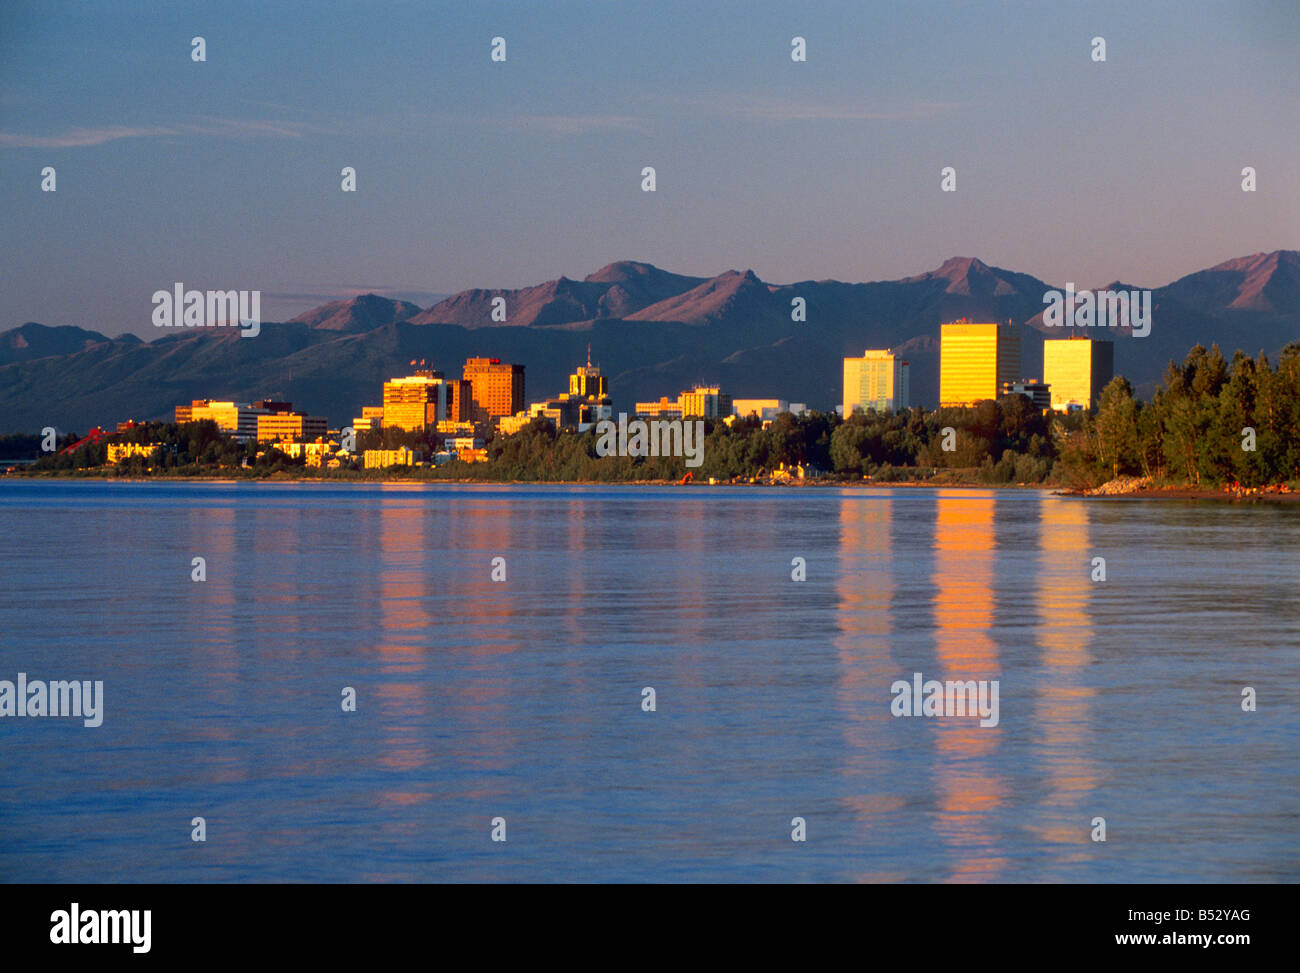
column 769, row 109
column 754, row 107
column 562, row 125
column 203, row 127
column 750, row 107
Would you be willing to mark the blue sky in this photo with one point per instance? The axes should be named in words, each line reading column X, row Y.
column 480, row 174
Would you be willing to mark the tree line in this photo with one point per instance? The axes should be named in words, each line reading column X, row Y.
column 1210, row 422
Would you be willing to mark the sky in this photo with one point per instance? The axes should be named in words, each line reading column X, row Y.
column 225, row 174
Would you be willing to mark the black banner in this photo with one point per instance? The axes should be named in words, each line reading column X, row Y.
column 338, row 922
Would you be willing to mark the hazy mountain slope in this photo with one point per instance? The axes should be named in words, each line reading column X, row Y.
column 654, row 332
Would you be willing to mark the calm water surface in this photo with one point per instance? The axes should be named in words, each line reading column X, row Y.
column 522, row 699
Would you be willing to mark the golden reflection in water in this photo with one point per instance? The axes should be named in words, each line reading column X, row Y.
column 576, row 595
column 213, row 652
column 468, row 529
column 1061, row 710
column 693, row 592
column 969, row 788
column 404, row 621
column 865, row 589
column 212, row 605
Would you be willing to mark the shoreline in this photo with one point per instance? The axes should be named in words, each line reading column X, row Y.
column 1147, row 492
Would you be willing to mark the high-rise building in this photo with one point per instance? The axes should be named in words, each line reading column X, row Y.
column 587, row 381
column 1077, row 368
column 704, row 402
column 415, row 402
column 878, row 380
column 975, row 359
column 460, row 401
column 496, row 387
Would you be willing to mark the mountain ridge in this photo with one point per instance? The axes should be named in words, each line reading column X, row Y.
column 655, row 332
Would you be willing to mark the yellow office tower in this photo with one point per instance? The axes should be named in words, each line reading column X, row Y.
column 975, row 359
column 1077, row 369
column 878, row 380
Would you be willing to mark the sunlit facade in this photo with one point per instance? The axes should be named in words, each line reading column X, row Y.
column 878, row 380
column 975, row 359
column 1077, row 369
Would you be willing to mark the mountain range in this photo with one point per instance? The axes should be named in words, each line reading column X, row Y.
column 652, row 331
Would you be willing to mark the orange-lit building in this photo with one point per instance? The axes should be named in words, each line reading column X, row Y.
column 415, row 402
column 236, row 419
column 460, row 400
column 496, row 387
column 370, row 420
column 665, row 408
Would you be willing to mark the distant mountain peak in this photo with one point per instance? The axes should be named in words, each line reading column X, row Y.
column 970, row 276
column 654, row 331
column 1259, row 282
column 363, row 312
column 1261, row 261
column 621, row 270
column 34, row 340
column 958, row 267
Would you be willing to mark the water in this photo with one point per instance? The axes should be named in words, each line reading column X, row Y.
column 522, row 699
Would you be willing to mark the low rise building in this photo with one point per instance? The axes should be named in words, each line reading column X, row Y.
column 700, row 402
column 1037, row 392
column 236, row 419
column 318, row 453
column 120, row 451
column 378, row 459
column 450, row 427
column 509, row 425
column 762, row 408
column 665, row 408
column 290, row 427
column 370, row 420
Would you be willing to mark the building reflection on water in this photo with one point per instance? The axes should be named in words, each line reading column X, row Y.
column 969, row 785
column 865, row 589
column 1061, row 711
column 937, row 583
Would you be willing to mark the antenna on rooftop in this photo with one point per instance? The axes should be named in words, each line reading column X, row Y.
column 588, row 354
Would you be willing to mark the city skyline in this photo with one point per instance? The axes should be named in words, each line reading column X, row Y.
column 490, row 399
